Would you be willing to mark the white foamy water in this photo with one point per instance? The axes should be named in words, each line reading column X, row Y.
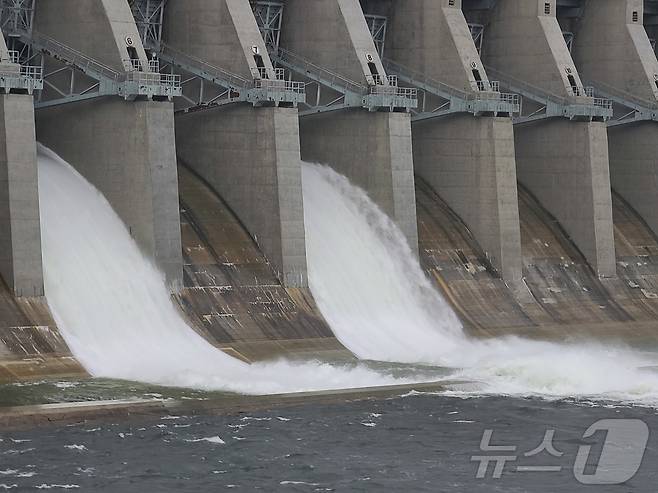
column 381, row 306
column 114, row 311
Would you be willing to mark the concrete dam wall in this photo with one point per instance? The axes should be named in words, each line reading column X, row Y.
column 511, row 141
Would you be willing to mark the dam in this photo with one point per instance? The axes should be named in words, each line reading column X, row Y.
column 501, row 151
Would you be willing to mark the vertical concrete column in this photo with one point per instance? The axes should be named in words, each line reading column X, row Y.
column 20, row 230
column 612, row 47
column 563, row 163
column 372, row 149
column 468, row 160
column 126, row 149
column 250, row 156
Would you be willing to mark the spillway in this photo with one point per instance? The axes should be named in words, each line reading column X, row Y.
column 114, row 310
column 371, row 290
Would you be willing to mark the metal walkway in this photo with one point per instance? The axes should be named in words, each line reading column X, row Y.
column 581, row 107
column 259, row 91
column 16, row 77
column 380, row 94
column 132, row 84
column 485, row 99
column 639, row 109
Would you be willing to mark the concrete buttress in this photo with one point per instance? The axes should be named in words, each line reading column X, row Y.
column 563, row 163
column 612, row 49
column 249, row 155
column 469, row 160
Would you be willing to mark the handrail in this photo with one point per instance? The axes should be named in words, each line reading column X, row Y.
column 332, row 78
column 422, row 79
column 517, row 84
column 624, row 96
column 482, row 93
column 174, row 56
column 72, row 56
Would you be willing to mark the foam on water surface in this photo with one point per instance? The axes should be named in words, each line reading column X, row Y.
column 115, row 312
column 380, row 305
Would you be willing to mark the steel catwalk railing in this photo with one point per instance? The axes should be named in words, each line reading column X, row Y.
column 542, row 95
column 223, row 77
column 314, row 71
column 69, row 55
column 623, row 97
column 446, row 91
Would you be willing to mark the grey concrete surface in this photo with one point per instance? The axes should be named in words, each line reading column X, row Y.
column 127, row 151
column 614, row 49
column 634, row 167
column 470, row 162
column 250, row 156
column 20, row 230
column 374, row 151
column 565, row 165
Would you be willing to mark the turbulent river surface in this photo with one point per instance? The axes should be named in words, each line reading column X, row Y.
column 533, row 416
column 414, row 443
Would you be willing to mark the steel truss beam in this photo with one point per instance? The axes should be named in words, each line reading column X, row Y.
column 485, row 99
column 638, row 109
column 149, row 15
column 581, row 106
column 16, row 16
column 377, row 26
column 74, row 76
column 209, row 86
column 269, row 15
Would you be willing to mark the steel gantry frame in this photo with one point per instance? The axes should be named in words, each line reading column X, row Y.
column 485, row 99
column 72, row 75
column 16, row 16
column 377, row 26
column 638, row 109
column 149, row 16
column 76, row 76
column 269, row 15
column 379, row 93
column 205, row 86
column 581, row 106
column 16, row 74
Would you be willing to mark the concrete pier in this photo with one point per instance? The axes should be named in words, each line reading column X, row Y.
column 563, row 163
column 613, row 51
column 373, row 149
column 20, row 230
column 249, row 155
column 469, row 160
column 125, row 149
